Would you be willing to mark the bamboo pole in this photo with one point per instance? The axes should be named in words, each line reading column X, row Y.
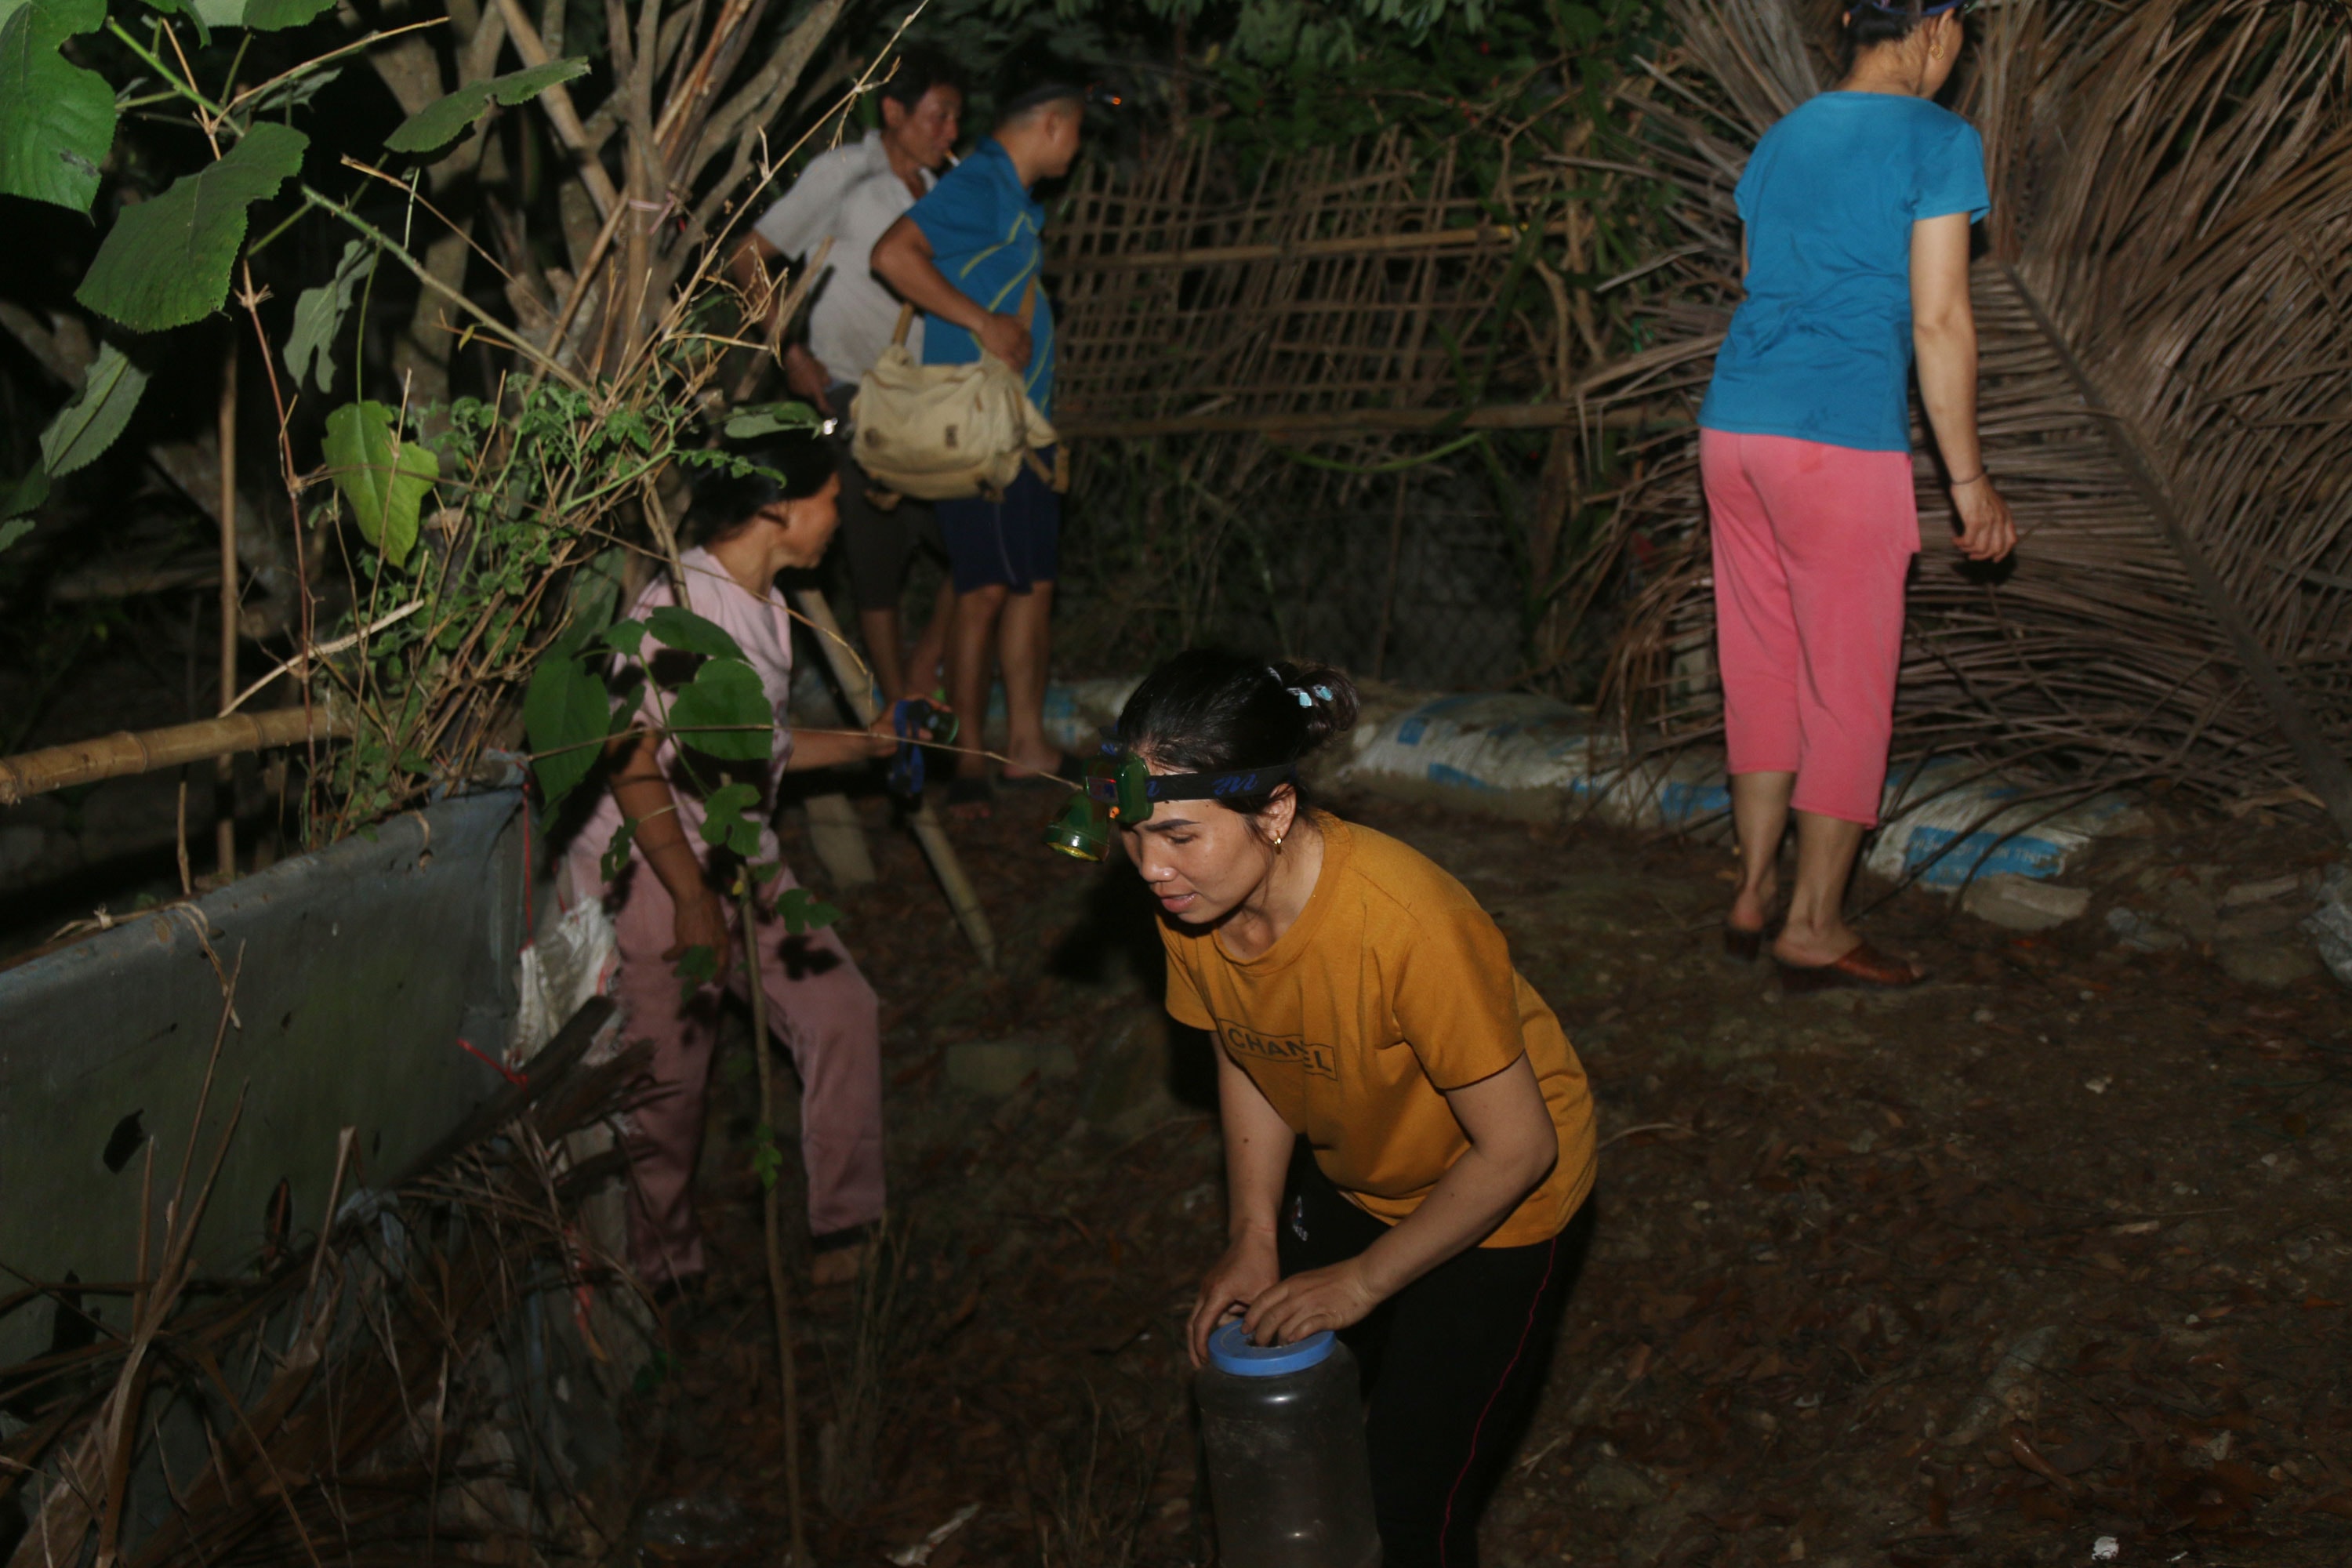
column 929, row 831
column 225, row 768
column 123, row 753
column 1479, row 238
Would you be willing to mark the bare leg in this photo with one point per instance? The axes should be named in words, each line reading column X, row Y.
column 1023, row 645
column 924, row 665
column 881, row 630
column 1816, row 931
column 1759, row 812
column 971, row 643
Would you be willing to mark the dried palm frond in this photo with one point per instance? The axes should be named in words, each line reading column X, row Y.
column 2166, row 394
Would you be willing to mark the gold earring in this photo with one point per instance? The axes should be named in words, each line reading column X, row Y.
column 1277, row 841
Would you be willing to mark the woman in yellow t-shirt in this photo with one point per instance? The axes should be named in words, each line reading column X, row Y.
column 1408, row 1134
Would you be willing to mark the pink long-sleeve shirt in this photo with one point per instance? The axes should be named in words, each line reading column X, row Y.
column 763, row 629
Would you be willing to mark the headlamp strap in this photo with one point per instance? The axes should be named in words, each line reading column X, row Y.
column 1218, row 787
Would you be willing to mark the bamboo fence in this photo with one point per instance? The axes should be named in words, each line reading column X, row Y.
column 2166, row 397
column 1358, row 301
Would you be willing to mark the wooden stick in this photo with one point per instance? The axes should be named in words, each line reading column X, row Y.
column 780, row 1289
column 1353, row 421
column 930, row 832
column 225, row 768
column 122, row 753
column 1480, row 237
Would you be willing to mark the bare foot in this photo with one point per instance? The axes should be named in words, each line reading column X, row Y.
column 1810, row 947
column 1042, row 763
column 838, row 1266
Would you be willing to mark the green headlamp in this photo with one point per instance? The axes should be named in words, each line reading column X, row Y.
column 1119, row 791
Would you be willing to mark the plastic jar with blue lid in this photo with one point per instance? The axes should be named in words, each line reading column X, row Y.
column 1288, row 1475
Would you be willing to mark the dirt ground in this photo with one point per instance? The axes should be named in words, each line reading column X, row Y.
column 2045, row 1262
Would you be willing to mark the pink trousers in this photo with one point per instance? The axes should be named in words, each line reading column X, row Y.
column 1812, row 545
column 818, row 1005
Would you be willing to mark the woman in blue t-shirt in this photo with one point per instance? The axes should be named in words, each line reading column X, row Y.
column 1857, row 208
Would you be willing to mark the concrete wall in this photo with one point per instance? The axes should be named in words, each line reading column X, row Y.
column 363, row 966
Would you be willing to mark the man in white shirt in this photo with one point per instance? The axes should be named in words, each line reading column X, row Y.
column 850, row 195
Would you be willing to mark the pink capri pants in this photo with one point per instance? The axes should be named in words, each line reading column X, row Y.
column 1812, row 545
column 818, row 1005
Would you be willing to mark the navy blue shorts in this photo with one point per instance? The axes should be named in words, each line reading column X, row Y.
column 1016, row 542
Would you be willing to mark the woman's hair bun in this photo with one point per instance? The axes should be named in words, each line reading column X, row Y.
column 1330, row 703
column 1868, row 25
column 1211, row 710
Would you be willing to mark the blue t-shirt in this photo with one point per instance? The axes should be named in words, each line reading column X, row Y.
column 1821, row 349
column 985, row 238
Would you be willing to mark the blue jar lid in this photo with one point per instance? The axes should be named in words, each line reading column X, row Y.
column 1231, row 1351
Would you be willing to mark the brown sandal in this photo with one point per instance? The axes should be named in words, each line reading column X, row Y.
column 1864, row 967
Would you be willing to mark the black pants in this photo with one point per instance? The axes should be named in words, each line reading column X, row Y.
column 880, row 544
column 1453, row 1365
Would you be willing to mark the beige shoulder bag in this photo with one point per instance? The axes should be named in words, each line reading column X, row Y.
column 943, row 432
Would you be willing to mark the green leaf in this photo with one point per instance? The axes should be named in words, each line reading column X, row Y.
column 725, row 819
column 772, row 418
column 271, row 16
column 384, row 476
column 689, row 633
column 803, row 911
column 616, row 858
column 26, row 494
column 723, row 713
column 625, row 637
column 56, row 120
column 166, row 261
column 13, row 529
column 295, row 91
column 564, row 710
column 767, row 1160
column 596, row 590
column 319, row 315
column 446, row 119
column 653, row 1374
column 697, row 966
column 88, row 425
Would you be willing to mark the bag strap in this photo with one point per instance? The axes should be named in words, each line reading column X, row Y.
column 905, row 321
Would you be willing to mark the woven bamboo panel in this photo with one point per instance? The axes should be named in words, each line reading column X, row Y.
column 1329, row 284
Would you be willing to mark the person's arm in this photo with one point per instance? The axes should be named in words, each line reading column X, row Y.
column 833, row 750
column 1513, row 1147
column 645, row 798
column 904, row 260
column 1943, row 334
column 1257, row 1158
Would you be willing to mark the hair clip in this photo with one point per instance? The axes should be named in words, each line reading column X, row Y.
column 1324, row 692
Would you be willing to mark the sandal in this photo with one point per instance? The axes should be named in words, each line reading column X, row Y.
column 1864, row 967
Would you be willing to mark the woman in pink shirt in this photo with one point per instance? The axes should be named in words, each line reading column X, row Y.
column 668, row 897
